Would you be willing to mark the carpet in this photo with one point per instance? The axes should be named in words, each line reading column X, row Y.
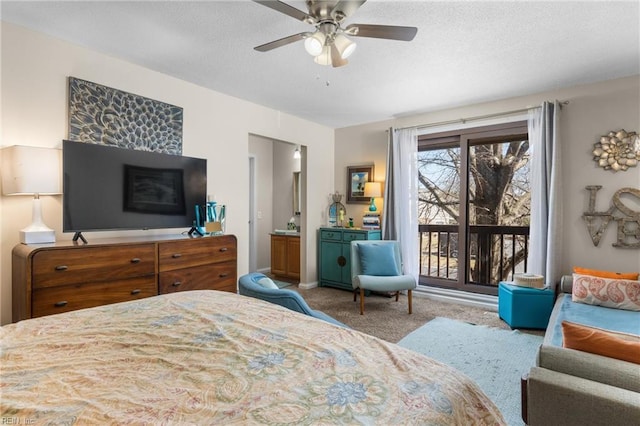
column 495, row 359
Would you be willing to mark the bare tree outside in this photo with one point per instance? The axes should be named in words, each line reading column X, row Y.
column 498, row 197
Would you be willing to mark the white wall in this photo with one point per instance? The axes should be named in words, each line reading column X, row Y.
column 34, row 73
column 593, row 110
column 262, row 150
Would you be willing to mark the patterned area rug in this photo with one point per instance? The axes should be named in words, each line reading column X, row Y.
column 495, row 359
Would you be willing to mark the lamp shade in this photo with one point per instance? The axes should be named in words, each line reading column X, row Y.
column 314, row 43
column 31, row 170
column 344, row 46
column 372, row 189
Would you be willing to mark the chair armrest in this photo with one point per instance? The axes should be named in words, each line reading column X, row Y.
column 561, row 399
column 597, row 368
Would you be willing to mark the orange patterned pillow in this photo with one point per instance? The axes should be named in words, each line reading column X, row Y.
column 606, row 274
column 601, row 342
column 612, row 293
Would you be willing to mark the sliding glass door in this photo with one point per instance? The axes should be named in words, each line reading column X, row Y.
column 474, row 206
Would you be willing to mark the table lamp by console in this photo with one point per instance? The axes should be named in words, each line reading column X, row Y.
column 373, row 190
column 29, row 170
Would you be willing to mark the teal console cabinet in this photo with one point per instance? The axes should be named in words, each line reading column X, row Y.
column 334, row 254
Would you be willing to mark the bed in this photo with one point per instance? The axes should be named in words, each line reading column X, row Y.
column 210, row 357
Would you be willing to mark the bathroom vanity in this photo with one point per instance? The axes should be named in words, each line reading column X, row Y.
column 285, row 255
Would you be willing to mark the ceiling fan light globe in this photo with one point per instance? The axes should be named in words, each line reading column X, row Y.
column 314, row 44
column 349, row 50
column 345, row 46
column 324, row 58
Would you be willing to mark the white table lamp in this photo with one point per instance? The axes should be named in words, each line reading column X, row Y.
column 373, row 190
column 29, row 170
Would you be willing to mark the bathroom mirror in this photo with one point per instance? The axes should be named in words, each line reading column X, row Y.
column 296, row 193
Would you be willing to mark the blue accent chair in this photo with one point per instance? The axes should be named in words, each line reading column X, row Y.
column 248, row 286
column 380, row 281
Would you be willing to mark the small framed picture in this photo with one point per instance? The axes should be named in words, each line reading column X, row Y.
column 357, row 176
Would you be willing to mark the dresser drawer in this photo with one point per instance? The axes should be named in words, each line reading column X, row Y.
column 56, row 267
column 349, row 236
column 216, row 276
column 196, row 252
column 331, row 235
column 55, row 300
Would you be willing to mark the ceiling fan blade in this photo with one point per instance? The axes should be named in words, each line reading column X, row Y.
column 280, row 42
column 390, row 32
column 336, row 59
column 345, row 8
column 286, row 9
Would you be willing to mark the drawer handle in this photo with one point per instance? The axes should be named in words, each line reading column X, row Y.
column 62, row 268
column 60, row 304
column 176, row 255
column 223, row 275
column 136, row 291
column 223, row 249
column 136, row 260
column 177, row 284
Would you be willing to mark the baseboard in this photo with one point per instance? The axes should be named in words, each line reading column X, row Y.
column 265, row 271
column 484, row 301
column 307, row 286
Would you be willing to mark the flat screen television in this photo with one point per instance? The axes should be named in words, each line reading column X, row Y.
column 108, row 188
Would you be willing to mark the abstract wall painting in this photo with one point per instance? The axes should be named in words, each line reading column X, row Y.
column 102, row 115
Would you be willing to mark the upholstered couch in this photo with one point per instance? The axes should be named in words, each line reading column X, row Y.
column 571, row 387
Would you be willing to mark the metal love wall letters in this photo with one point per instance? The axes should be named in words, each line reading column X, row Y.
column 628, row 220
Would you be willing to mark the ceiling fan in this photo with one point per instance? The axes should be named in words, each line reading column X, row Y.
column 329, row 43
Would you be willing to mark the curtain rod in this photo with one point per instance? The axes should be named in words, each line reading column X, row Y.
column 474, row 118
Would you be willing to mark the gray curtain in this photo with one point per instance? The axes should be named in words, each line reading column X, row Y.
column 388, row 218
column 545, row 256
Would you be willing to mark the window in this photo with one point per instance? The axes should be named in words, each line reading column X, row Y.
column 474, row 206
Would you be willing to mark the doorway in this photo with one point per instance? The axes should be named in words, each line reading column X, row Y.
column 277, row 190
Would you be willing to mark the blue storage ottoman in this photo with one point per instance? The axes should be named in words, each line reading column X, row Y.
column 524, row 307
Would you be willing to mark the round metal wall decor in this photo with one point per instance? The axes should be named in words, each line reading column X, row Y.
column 617, row 150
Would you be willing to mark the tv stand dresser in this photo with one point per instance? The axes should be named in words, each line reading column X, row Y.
column 65, row 276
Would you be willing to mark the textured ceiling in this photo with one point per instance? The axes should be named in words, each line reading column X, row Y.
column 465, row 52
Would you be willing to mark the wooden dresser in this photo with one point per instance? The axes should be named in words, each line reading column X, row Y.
column 65, row 276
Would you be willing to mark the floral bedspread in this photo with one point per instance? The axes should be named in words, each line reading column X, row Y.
column 208, row 357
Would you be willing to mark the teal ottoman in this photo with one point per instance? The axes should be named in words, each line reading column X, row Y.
column 524, row 307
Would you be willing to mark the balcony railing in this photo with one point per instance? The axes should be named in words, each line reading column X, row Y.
column 494, row 252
